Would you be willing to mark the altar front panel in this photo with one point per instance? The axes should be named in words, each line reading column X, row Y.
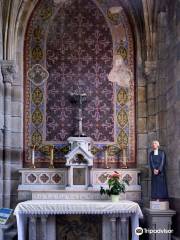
column 115, row 215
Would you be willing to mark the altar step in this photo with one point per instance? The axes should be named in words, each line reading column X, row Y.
column 81, row 195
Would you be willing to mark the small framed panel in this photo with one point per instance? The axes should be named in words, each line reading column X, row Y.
column 79, row 176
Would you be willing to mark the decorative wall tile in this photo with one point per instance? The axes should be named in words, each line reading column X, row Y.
column 72, row 44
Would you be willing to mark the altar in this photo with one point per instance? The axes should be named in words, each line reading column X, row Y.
column 40, row 216
column 63, row 180
column 63, row 199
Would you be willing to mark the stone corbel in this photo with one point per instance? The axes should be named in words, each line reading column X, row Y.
column 150, row 70
column 8, row 70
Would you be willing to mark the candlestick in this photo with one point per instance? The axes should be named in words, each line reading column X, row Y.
column 33, row 156
column 124, row 158
column 52, row 158
column 106, row 156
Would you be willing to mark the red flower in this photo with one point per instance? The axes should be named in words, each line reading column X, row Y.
column 114, row 175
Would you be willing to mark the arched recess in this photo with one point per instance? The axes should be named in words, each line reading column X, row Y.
column 42, row 79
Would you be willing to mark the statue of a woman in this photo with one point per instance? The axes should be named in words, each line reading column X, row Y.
column 157, row 159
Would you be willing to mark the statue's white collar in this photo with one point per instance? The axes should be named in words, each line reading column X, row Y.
column 156, row 152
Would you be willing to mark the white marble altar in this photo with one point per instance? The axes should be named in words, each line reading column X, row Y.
column 45, row 183
column 114, row 215
column 75, row 189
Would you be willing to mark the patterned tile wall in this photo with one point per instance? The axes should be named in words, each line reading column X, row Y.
column 71, row 44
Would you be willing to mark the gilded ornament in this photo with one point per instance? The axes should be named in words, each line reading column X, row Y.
column 37, row 96
column 37, row 74
column 37, row 34
column 37, row 53
column 114, row 17
column 36, row 138
column 45, row 149
column 122, row 96
column 64, row 149
column 37, row 117
column 46, row 13
column 122, row 51
column 122, row 118
column 113, row 150
column 95, row 150
column 122, row 139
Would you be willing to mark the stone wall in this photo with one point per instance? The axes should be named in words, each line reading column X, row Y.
column 11, row 108
column 173, row 110
column 165, row 103
column 1, row 112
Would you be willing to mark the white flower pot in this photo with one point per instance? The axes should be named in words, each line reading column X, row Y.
column 115, row 198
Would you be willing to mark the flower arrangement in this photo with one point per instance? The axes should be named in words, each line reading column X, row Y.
column 116, row 185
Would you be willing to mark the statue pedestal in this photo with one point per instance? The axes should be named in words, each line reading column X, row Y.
column 157, row 205
column 159, row 223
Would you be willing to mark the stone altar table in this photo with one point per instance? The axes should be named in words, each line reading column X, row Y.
column 115, row 215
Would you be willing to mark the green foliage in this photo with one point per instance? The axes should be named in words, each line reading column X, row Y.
column 116, row 185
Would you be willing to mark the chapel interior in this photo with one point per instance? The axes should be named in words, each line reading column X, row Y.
column 85, row 87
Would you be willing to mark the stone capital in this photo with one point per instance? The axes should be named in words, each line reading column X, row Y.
column 8, row 69
column 150, row 66
column 150, row 69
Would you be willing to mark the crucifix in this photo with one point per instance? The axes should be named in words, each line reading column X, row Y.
column 79, row 98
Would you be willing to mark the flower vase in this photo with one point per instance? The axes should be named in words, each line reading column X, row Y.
column 115, row 198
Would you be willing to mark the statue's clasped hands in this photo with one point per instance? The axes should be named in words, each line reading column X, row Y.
column 156, row 171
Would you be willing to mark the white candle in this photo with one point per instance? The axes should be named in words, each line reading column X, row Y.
column 106, row 156
column 33, row 155
column 52, row 156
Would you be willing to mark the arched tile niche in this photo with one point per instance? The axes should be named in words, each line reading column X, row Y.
column 71, row 44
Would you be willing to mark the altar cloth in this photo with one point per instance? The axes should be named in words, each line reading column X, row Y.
column 76, row 207
column 59, row 207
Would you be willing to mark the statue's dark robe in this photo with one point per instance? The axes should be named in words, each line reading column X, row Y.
column 158, row 182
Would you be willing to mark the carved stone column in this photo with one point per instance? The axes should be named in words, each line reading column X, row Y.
column 151, row 75
column 44, row 227
column 113, row 227
column 150, row 71
column 1, row 134
column 69, row 180
column 90, row 177
column 122, row 228
column 161, row 96
column 51, row 227
column 8, row 73
column 32, row 228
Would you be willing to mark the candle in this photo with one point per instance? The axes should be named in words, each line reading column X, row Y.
column 106, row 156
column 52, row 156
column 33, row 155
